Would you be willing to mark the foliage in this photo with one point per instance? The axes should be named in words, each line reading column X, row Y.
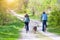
column 41, row 5
column 5, row 17
column 54, row 18
column 9, row 24
column 11, row 30
column 54, row 21
column 35, row 17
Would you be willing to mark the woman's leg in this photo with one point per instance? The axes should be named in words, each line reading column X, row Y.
column 27, row 26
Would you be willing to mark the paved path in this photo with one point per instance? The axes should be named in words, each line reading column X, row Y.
column 35, row 36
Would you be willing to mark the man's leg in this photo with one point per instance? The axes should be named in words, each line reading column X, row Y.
column 43, row 26
column 46, row 24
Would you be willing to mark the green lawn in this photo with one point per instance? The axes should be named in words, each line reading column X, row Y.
column 11, row 30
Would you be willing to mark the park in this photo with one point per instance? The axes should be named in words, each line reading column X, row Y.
column 12, row 26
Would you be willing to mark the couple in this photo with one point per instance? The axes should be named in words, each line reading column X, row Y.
column 43, row 18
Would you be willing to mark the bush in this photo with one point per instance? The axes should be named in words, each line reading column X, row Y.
column 54, row 18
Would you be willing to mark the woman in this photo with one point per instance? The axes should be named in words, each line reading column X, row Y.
column 26, row 21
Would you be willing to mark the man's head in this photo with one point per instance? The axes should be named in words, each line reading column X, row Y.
column 43, row 12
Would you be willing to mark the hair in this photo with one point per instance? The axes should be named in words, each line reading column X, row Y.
column 26, row 15
column 43, row 12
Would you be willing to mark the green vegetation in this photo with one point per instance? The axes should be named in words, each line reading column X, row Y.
column 11, row 30
column 9, row 24
column 47, row 5
column 54, row 21
column 36, row 17
column 39, row 6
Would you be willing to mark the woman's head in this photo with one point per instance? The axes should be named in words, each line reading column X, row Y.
column 26, row 15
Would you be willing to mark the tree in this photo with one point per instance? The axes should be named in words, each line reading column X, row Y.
column 26, row 5
column 4, row 16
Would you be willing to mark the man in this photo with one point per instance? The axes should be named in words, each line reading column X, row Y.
column 44, row 20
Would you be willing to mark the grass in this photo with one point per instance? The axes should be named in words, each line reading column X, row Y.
column 36, row 17
column 11, row 30
column 55, row 30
